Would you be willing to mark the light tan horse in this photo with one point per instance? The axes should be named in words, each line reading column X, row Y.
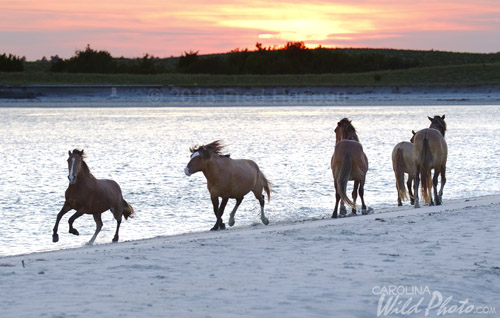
column 228, row 179
column 430, row 151
column 88, row 195
column 402, row 163
column 349, row 162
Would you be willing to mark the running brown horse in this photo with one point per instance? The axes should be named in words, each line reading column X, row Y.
column 349, row 162
column 228, row 179
column 88, row 195
column 402, row 163
column 430, row 151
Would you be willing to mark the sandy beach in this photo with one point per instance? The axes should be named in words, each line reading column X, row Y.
column 398, row 262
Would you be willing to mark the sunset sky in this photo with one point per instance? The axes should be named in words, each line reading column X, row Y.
column 164, row 28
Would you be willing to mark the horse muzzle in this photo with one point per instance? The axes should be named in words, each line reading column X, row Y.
column 187, row 172
column 72, row 179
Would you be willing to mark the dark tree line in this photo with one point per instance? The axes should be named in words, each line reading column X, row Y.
column 11, row 63
column 93, row 61
column 293, row 58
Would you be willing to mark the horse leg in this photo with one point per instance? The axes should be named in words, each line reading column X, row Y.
column 434, row 186
column 64, row 210
column 343, row 210
column 118, row 217
column 72, row 219
column 355, row 195
column 400, row 203
column 364, row 211
column 219, row 224
column 262, row 201
column 98, row 227
column 415, row 187
column 443, row 181
column 410, row 192
column 215, row 203
column 337, row 200
column 231, row 216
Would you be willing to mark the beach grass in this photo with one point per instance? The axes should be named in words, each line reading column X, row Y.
column 467, row 74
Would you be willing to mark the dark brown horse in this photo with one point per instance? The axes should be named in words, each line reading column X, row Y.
column 88, row 195
column 430, row 151
column 402, row 163
column 228, row 179
column 349, row 162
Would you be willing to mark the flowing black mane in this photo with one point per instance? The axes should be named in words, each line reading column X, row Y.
column 348, row 130
column 438, row 123
column 212, row 149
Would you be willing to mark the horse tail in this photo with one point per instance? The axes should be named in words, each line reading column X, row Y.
column 400, row 175
column 128, row 210
column 266, row 185
column 343, row 177
column 425, row 171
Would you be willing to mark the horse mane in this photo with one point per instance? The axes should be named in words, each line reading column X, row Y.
column 85, row 167
column 212, row 149
column 438, row 123
column 348, row 130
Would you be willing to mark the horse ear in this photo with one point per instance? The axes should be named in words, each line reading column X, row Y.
column 442, row 117
column 429, row 118
column 413, row 132
column 69, row 153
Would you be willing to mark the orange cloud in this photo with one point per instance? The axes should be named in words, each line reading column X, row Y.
column 168, row 27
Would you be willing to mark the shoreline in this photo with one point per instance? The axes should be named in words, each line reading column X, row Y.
column 320, row 268
column 178, row 96
column 388, row 211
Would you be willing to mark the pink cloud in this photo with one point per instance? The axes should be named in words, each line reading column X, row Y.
column 165, row 28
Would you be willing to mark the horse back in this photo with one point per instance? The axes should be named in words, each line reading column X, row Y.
column 406, row 149
column 354, row 150
column 95, row 196
column 236, row 177
column 434, row 140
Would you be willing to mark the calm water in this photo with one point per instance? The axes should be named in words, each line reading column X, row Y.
column 146, row 149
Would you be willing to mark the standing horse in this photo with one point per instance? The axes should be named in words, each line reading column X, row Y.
column 88, row 195
column 349, row 162
column 430, row 151
column 228, row 179
column 402, row 162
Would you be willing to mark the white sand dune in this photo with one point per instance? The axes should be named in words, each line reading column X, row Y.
column 319, row 268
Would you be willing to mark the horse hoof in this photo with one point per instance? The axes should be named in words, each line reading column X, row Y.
column 364, row 211
column 265, row 221
column 334, row 215
column 114, row 240
column 222, row 226
column 55, row 238
column 215, row 228
column 74, row 232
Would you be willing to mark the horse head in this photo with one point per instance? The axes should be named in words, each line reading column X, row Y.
column 345, row 130
column 74, row 164
column 438, row 123
column 412, row 139
column 200, row 156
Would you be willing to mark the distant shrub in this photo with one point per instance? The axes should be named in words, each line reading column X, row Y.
column 293, row 58
column 86, row 61
column 11, row 63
